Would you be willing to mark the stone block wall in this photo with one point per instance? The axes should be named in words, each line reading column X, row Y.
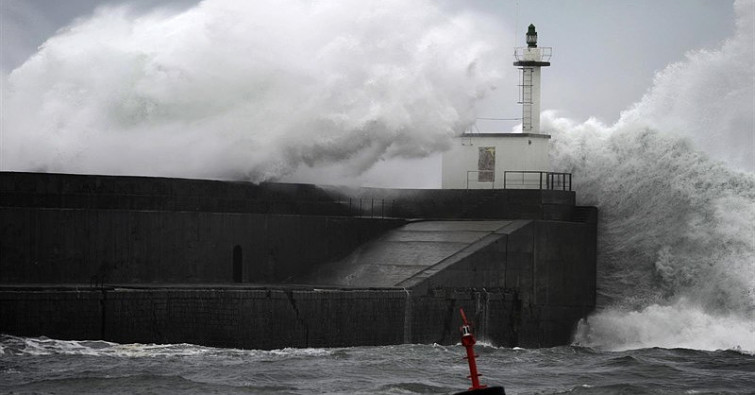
column 70, row 314
column 255, row 318
column 527, row 287
column 52, row 245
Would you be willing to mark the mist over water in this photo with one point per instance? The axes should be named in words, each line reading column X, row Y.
column 247, row 90
column 675, row 185
column 260, row 90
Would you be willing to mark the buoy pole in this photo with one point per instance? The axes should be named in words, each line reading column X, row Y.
column 468, row 341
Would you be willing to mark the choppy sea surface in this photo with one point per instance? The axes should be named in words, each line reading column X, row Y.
column 48, row 366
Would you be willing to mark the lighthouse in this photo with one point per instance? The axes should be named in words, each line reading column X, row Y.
column 530, row 59
column 502, row 160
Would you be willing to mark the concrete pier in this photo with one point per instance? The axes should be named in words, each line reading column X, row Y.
column 155, row 260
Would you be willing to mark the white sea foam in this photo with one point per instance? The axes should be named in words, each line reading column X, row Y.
column 13, row 345
column 45, row 346
column 248, row 90
column 708, row 97
column 300, row 352
column 677, row 227
column 679, row 325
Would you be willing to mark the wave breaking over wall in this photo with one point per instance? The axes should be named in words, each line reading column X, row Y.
column 247, row 90
column 677, row 227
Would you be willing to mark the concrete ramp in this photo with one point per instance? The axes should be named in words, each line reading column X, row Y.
column 405, row 252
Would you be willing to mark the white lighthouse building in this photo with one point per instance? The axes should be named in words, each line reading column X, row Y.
column 507, row 160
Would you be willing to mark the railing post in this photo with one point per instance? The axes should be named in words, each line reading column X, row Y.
column 540, row 185
column 554, row 181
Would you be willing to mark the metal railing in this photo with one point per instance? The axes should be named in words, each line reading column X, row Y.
column 492, row 181
column 542, row 54
column 537, row 180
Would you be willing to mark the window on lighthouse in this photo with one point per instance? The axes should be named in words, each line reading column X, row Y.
column 486, row 164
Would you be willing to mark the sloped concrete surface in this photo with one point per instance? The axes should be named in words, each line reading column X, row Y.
column 402, row 253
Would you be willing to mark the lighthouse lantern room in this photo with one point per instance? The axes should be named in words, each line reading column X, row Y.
column 501, row 160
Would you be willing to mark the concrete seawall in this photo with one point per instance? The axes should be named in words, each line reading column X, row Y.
column 254, row 318
column 53, row 245
column 133, row 259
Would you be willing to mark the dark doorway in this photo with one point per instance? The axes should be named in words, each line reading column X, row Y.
column 238, row 260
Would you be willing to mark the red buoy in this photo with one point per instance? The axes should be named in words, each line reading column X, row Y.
column 468, row 341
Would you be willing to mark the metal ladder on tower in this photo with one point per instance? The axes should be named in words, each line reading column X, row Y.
column 525, row 97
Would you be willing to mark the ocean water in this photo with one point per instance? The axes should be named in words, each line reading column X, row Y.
column 48, row 366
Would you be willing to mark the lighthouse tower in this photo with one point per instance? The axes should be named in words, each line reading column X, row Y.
column 493, row 160
column 530, row 59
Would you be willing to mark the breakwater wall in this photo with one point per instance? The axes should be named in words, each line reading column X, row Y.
column 96, row 192
column 57, row 228
column 53, row 245
column 525, row 285
column 255, row 318
column 135, row 259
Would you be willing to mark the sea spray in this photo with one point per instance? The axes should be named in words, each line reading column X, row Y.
column 681, row 324
column 247, row 90
column 670, row 217
column 708, row 97
column 677, row 227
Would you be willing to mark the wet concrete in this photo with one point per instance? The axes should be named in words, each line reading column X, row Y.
column 402, row 253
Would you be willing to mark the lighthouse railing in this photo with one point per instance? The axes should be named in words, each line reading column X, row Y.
column 536, row 180
column 538, row 54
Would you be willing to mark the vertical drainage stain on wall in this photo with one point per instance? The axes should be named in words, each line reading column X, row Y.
column 482, row 308
column 103, row 312
column 408, row 317
column 238, row 261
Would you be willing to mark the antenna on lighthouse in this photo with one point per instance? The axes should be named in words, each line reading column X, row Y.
column 530, row 59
